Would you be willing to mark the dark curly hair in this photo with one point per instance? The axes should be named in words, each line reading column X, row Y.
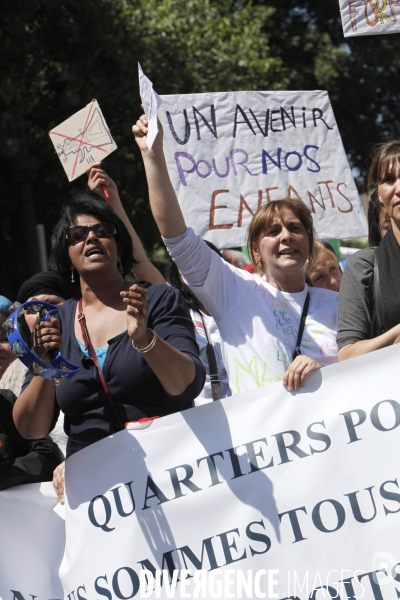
column 85, row 203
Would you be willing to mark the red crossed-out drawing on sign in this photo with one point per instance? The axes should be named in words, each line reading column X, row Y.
column 80, row 139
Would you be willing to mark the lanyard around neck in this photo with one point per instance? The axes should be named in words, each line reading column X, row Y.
column 89, row 346
column 297, row 351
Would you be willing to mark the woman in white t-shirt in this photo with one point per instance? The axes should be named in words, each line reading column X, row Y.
column 258, row 314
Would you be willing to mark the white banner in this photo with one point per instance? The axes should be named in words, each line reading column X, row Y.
column 274, row 486
column 265, row 494
column 370, row 17
column 32, row 535
column 229, row 153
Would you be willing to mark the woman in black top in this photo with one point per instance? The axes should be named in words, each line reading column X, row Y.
column 365, row 323
column 142, row 335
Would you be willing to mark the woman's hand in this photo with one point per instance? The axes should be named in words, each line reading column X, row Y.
column 140, row 131
column 59, row 481
column 136, row 314
column 99, row 181
column 297, row 373
column 46, row 337
column 174, row 369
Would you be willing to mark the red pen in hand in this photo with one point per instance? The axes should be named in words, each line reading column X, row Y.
column 107, row 195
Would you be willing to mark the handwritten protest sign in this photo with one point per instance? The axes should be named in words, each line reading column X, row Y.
column 82, row 140
column 370, row 17
column 229, row 153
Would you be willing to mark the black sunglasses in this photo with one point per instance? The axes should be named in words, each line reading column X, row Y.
column 79, row 233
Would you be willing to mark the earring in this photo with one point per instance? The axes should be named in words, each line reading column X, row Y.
column 121, row 268
column 72, row 276
column 259, row 265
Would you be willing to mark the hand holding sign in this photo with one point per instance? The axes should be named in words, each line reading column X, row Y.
column 166, row 209
column 140, row 130
column 100, row 183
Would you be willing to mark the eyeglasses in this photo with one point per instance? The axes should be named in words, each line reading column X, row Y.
column 79, row 233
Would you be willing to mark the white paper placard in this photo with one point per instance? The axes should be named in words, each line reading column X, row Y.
column 151, row 102
column 229, row 153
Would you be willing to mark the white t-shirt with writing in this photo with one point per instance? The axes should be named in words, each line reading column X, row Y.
column 258, row 324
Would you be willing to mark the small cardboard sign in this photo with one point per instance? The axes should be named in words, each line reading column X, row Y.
column 82, row 140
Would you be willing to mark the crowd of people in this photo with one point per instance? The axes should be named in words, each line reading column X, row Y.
column 211, row 325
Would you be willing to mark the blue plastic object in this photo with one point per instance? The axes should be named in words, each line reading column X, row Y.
column 59, row 368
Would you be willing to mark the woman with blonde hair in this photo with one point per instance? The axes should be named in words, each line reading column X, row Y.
column 273, row 326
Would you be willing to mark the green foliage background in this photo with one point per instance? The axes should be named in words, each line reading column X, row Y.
column 58, row 55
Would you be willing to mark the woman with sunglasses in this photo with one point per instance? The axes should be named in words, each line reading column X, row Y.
column 141, row 337
column 259, row 316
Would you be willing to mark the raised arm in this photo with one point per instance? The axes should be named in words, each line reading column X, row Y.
column 191, row 254
column 163, row 201
column 98, row 180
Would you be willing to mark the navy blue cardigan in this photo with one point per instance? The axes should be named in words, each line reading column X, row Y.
column 135, row 389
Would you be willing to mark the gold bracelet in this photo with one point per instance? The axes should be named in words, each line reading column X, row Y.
column 149, row 347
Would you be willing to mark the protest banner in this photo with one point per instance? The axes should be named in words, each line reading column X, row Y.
column 32, row 543
column 82, row 140
column 265, row 494
column 370, row 17
column 229, row 153
column 267, row 490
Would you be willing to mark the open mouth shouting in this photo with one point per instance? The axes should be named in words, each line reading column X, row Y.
column 94, row 251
